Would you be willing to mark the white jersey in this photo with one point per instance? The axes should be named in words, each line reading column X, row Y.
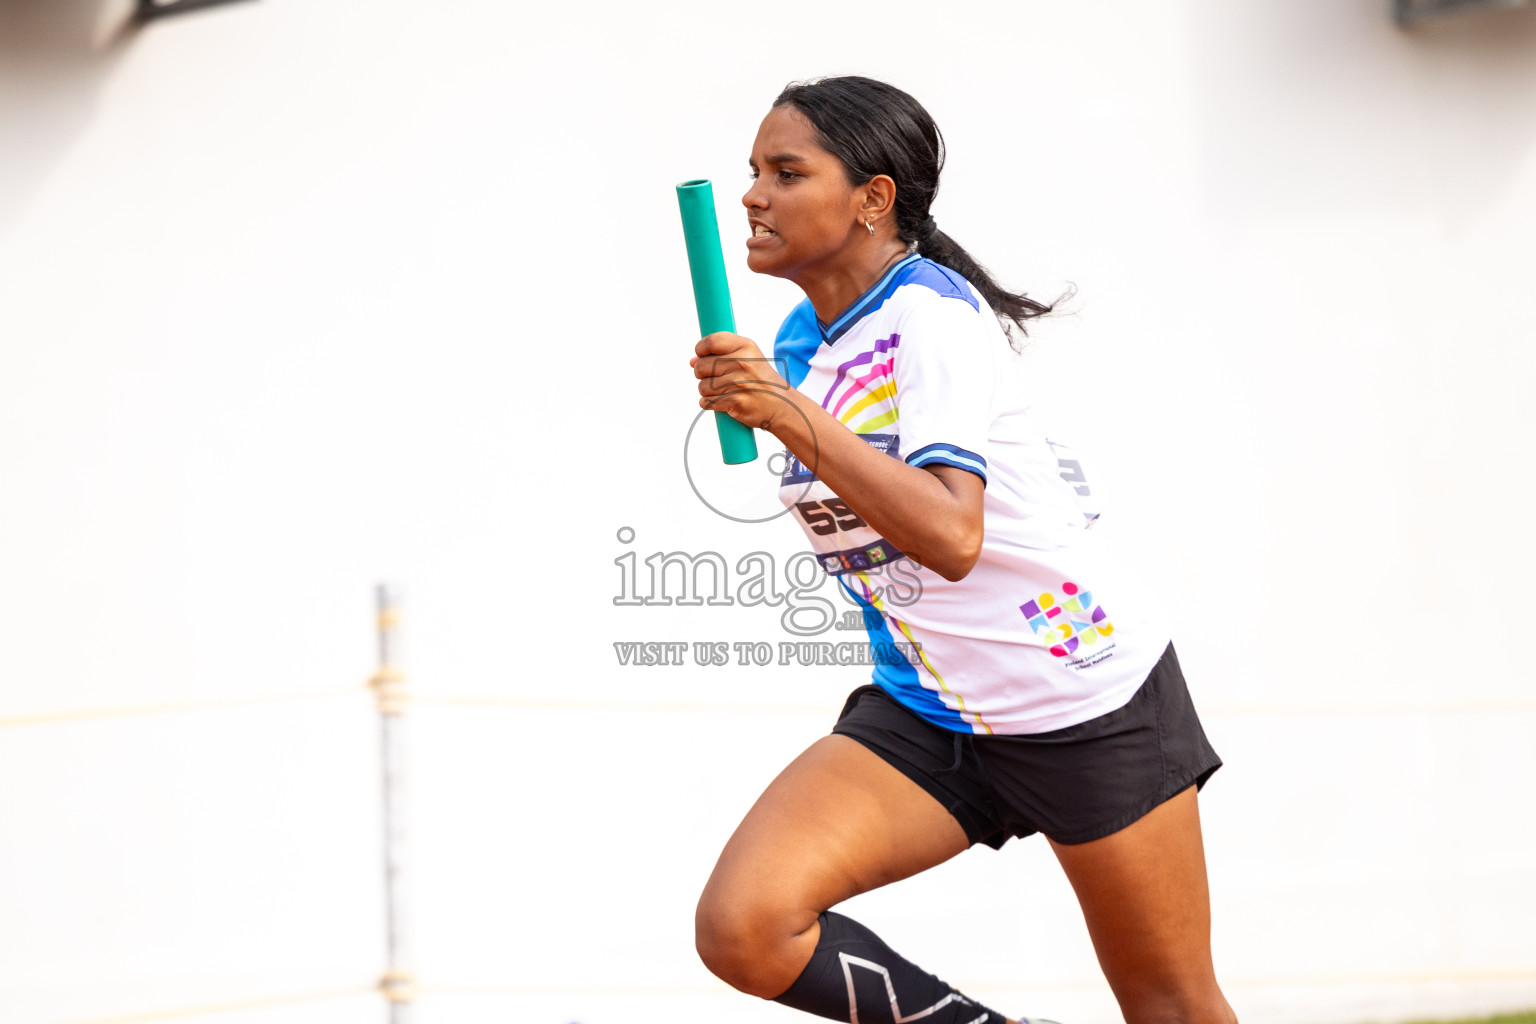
column 1037, row 636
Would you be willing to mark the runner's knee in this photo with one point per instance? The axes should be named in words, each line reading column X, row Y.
column 748, row 943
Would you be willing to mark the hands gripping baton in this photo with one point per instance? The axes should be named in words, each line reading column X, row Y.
column 712, row 296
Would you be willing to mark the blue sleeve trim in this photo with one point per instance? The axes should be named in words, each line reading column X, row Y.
column 944, row 281
column 949, row 455
column 797, row 341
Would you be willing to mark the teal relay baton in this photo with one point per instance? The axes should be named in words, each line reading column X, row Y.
column 712, row 297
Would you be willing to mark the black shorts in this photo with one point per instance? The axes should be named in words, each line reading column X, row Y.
column 1076, row 784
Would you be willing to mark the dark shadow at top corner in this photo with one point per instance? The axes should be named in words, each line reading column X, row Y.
column 156, row 10
column 1491, row 31
column 40, row 35
column 55, row 56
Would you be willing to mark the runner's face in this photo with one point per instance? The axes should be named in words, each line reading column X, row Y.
column 802, row 212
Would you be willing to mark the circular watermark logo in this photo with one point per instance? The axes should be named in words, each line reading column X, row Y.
column 749, row 492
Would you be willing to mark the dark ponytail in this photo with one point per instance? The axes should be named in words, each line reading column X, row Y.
column 874, row 128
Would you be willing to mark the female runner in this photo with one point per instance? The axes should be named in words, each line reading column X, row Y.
column 1042, row 700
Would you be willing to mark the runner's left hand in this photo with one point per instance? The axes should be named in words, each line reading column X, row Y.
column 737, row 379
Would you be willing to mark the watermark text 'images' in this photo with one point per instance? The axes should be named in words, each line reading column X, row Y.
column 756, row 581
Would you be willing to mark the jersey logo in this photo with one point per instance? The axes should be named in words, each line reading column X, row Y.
column 1065, row 623
column 865, row 559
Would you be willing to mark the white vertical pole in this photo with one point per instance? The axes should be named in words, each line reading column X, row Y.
column 398, row 984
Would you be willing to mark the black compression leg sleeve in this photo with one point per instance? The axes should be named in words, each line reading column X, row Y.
column 855, row 978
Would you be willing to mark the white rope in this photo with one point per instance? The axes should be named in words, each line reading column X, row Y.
column 220, row 704
column 389, row 690
column 559, row 704
column 1088, row 984
column 396, row 986
column 244, row 1004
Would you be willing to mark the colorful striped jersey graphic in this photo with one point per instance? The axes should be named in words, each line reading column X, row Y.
column 1041, row 634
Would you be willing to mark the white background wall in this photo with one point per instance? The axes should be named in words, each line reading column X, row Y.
column 296, row 296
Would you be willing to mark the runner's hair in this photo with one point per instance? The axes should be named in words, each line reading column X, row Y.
column 874, row 128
